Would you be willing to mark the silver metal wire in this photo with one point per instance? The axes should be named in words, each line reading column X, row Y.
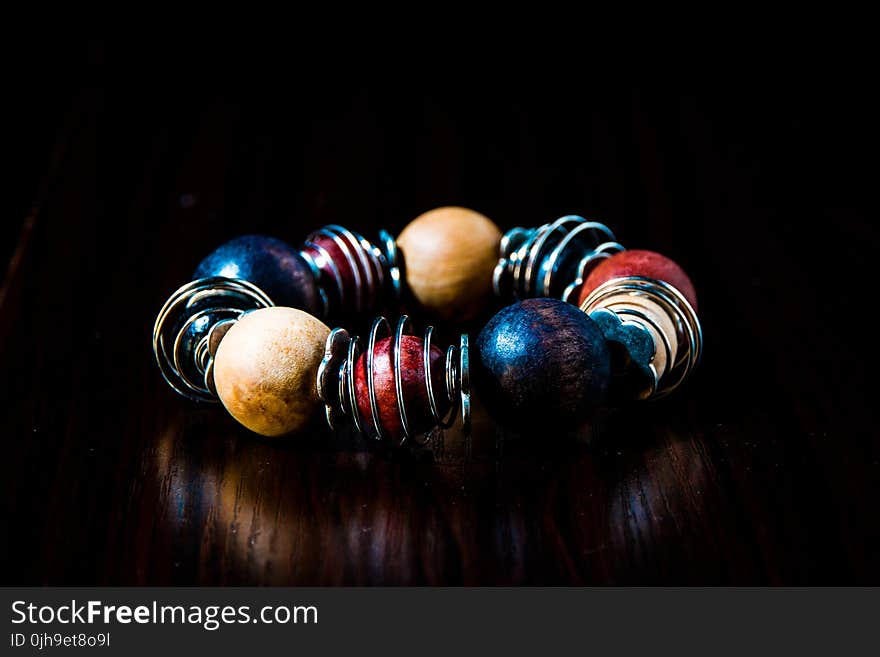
column 190, row 325
column 373, row 269
column 336, row 384
column 537, row 262
column 689, row 333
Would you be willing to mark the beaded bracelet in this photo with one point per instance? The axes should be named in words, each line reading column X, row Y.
column 590, row 323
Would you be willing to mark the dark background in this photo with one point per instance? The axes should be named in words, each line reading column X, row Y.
column 131, row 162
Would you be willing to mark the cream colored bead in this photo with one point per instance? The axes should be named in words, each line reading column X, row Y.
column 265, row 369
column 450, row 254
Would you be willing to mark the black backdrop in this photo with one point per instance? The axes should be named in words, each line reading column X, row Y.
column 758, row 181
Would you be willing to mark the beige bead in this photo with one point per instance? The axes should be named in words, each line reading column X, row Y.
column 265, row 369
column 450, row 254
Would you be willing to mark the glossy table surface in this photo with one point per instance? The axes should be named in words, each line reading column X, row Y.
column 764, row 469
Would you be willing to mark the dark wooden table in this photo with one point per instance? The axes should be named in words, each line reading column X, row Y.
column 765, row 469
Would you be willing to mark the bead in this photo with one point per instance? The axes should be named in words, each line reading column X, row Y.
column 270, row 264
column 542, row 362
column 450, row 254
column 415, row 395
column 265, row 369
column 352, row 273
column 335, row 266
column 640, row 263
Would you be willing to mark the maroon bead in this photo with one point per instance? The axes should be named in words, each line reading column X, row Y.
column 640, row 263
column 344, row 275
column 415, row 394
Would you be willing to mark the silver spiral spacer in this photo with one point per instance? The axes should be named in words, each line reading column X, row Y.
column 336, row 381
column 551, row 260
column 635, row 311
column 373, row 271
column 190, row 326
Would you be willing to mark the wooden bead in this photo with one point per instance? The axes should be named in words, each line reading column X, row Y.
column 540, row 363
column 450, row 254
column 337, row 267
column 349, row 270
column 265, row 369
column 640, row 263
column 272, row 265
column 412, row 368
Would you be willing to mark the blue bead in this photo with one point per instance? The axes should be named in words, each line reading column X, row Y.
column 270, row 264
column 542, row 362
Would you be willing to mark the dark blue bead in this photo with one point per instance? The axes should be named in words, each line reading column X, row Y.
column 270, row 264
column 542, row 362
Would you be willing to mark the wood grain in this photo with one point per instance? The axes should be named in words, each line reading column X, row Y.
column 764, row 470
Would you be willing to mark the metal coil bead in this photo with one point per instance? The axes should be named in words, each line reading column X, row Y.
column 338, row 391
column 190, row 325
column 683, row 346
column 551, row 260
column 354, row 274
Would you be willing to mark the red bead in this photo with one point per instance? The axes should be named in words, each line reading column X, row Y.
column 418, row 409
column 640, row 263
column 344, row 274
